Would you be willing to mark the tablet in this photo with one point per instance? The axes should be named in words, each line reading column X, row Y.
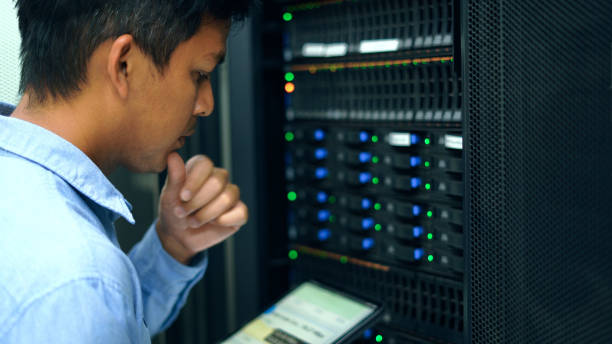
column 312, row 313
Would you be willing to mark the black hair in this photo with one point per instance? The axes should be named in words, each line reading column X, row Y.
column 59, row 36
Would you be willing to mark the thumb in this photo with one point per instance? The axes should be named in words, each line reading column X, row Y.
column 176, row 175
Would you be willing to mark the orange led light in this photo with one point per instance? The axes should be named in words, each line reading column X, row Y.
column 289, row 87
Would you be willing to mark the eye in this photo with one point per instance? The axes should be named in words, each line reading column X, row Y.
column 202, row 77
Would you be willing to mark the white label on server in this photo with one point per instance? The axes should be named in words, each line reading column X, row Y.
column 379, row 45
column 453, row 142
column 399, row 139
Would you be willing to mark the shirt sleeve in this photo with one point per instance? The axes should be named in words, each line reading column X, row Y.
column 164, row 281
column 85, row 310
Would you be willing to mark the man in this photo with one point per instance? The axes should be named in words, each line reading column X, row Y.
column 108, row 83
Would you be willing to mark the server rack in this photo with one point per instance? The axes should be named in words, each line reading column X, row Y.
column 451, row 158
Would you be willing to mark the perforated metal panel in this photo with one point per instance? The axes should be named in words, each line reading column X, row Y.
column 539, row 159
column 9, row 53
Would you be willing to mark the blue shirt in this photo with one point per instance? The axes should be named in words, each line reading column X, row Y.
column 63, row 277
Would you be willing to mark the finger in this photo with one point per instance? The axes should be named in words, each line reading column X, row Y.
column 175, row 178
column 213, row 186
column 198, row 169
column 235, row 217
column 210, row 235
column 226, row 200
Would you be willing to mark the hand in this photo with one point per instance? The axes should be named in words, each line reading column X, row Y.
column 198, row 207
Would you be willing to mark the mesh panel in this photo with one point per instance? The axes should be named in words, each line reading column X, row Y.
column 9, row 53
column 539, row 158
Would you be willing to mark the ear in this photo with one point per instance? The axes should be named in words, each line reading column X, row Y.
column 119, row 65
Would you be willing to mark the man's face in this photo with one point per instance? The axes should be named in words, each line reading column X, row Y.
column 164, row 107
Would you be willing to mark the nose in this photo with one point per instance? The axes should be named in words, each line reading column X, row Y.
column 205, row 101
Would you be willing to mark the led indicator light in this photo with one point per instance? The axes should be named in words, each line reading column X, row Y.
column 367, row 223
column 427, row 141
column 289, row 87
column 323, row 234
column 375, row 180
column 374, row 138
column 320, row 153
column 332, row 199
column 367, row 334
column 430, row 236
column 429, row 213
column 365, row 177
column 363, row 136
column 415, row 161
column 379, row 338
column 293, row 255
column 417, row 231
column 365, row 157
column 375, row 160
column 367, row 243
column 427, row 163
column 321, row 197
column 323, row 215
column 291, row 196
column 377, row 227
column 427, row 186
column 321, row 172
column 343, row 260
column 377, row 206
column 414, row 139
column 318, row 135
column 418, row 253
column 415, row 182
column 416, row 210
column 289, row 77
column 287, row 16
column 289, row 136
column 366, row 203
column 430, row 258
column 332, row 219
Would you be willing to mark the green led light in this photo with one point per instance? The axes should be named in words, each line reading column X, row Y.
column 427, row 186
column 343, row 260
column 291, row 196
column 332, row 219
column 374, row 138
column 287, row 16
column 375, row 159
column 430, row 236
column 379, row 338
column 429, row 213
column 427, row 163
column 430, row 257
column 377, row 227
column 375, row 180
column 377, row 206
column 289, row 76
column 289, row 136
column 427, row 141
column 293, row 254
column 331, row 199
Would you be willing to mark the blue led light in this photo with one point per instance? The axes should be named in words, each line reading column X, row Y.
column 415, row 182
column 321, row 172
column 323, row 234
column 418, row 253
column 367, row 223
column 320, row 153
column 365, row 157
column 366, row 203
column 365, row 177
column 415, row 161
column 319, row 135
column 416, row 210
column 417, row 231
column 367, row 243
column 367, row 334
column 323, row 215
column 414, row 139
column 364, row 136
column 321, row 197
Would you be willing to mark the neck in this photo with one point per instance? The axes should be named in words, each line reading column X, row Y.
column 80, row 121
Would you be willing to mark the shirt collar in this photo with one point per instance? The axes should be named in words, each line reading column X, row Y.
column 62, row 158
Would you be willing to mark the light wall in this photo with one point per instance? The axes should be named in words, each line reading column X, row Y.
column 9, row 53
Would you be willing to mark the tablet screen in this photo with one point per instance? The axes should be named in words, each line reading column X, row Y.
column 311, row 314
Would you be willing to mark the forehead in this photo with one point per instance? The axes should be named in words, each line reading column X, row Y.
column 208, row 43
